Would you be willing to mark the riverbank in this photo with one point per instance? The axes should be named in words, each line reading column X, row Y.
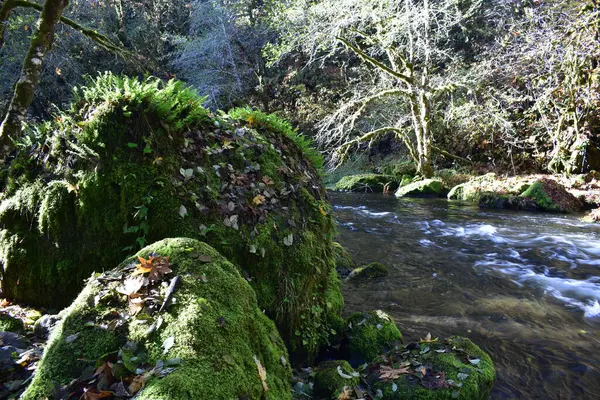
column 517, row 283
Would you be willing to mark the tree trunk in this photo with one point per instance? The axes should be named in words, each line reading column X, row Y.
column 30, row 74
column 421, row 116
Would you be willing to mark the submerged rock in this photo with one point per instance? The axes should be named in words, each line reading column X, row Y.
column 424, row 188
column 135, row 162
column 369, row 335
column 210, row 340
column 331, row 377
column 367, row 183
column 367, row 272
column 432, row 369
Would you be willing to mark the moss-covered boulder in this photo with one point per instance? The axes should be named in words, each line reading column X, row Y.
column 367, row 272
column 344, row 264
column 369, row 335
column 9, row 323
column 331, row 377
column 424, row 188
column 472, row 189
column 209, row 341
column 367, row 183
column 550, row 195
column 433, row 370
column 135, row 162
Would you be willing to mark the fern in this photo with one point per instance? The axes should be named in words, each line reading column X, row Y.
column 276, row 124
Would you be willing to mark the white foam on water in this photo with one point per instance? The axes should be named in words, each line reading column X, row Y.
column 426, row 243
column 593, row 310
column 375, row 214
column 582, row 294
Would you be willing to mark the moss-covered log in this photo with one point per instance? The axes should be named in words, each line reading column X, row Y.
column 135, row 162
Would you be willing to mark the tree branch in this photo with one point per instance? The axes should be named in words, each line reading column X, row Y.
column 102, row 40
column 449, row 155
column 343, row 150
column 370, row 60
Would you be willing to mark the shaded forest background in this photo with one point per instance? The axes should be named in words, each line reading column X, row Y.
column 510, row 85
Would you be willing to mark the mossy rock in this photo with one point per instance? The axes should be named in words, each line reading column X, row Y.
column 367, row 183
column 424, row 188
column 551, row 196
column 406, row 180
column 135, row 162
column 367, row 272
column 505, row 201
column 369, row 335
column 331, row 377
column 471, row 190
column 217, row 333
column 8, row 323
column 455, row 368
column 344, row 264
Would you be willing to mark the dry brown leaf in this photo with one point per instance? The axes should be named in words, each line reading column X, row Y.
column 347, row 393
column 389, row 373
column 131, row 286
column 136, row 384
column 96, row 396
column 262, row 374
column 158, row 267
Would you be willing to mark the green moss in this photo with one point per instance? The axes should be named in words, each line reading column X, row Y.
column 536, row 191
column 343, row 260
column 370, row 335
column 216, row 325
column 424, row 188
column 454, row 369
column 367, row 183
column 367, row 272
column 134, row 162
column 332, row 376
column 10, row 324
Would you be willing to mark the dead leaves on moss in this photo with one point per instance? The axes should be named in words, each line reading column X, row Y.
column 157, row 267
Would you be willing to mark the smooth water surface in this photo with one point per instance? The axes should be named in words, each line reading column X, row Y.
column 523, row 286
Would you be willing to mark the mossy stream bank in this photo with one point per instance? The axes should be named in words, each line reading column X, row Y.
column 248, row 291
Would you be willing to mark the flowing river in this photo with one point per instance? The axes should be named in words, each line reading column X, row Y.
column 525, row 287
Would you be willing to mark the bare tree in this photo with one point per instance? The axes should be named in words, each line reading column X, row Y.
column 406, row 44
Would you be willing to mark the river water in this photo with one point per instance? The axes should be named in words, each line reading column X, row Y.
column 525, row 287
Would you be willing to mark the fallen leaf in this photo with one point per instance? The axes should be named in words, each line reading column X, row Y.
column 72, row 338
column 346, row 393
column 227, row 145
column 136, row 384
column 131, row 286
column 322, row 211
column 288, row 240
column 205, row 258
column 262, row 374
column 389, row 373
column 168, row 343
column 182, row 211
column 58, row 71
column 95, row 396
column 258, row 200
column 158, row 267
